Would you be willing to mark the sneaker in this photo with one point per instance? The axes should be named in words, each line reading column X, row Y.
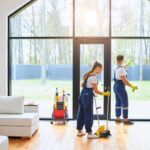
column 81, row 133
column 128, row 122
column 118, row 121
column 92, row 136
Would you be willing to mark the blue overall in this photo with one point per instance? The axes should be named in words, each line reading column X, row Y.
column 85, row 111
column 121, row 97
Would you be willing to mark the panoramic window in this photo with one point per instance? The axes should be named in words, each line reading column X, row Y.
column 44, row 18
column 38, row 67
column 44, row 50
column 138, row 74
column 92, row 17
column 130, row 18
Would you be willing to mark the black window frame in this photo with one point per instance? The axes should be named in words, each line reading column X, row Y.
column 73, row 37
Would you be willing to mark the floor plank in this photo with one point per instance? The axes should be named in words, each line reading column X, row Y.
column 63, row 137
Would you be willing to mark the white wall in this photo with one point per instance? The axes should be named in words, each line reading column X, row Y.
column 6, row 8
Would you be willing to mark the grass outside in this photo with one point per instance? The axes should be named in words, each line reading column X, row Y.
column 33, row 90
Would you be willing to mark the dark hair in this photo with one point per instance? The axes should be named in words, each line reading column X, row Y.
column 120, row 57
column 95, row 65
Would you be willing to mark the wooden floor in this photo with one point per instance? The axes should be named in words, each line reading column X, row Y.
column 63, row 137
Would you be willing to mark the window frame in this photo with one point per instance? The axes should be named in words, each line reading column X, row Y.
column 73, row 37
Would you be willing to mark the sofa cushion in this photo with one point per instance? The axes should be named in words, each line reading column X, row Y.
column 11, row 104
column 3, row 143
column 26, row 119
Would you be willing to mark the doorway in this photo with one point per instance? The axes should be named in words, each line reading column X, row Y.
column 86, row 52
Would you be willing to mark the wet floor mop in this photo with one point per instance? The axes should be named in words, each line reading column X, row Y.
column 101, row 128
column 101, row 132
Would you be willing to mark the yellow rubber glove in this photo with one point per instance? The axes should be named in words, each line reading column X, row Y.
column 134, row 88
column 128, row 63
column 106, row 93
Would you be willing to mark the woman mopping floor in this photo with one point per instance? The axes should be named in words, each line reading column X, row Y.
column 85, row 111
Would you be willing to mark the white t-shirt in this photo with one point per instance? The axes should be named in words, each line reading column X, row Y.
column 91, row 80
column 119, row 72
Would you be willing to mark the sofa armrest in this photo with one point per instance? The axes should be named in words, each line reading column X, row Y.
column 3, row 142
column 31, row 108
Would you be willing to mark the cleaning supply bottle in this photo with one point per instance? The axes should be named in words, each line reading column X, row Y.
column 56, row 98
column 64, row 99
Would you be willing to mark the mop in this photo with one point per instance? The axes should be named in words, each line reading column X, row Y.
column 101, row 128
column 106, row 133
column 101, row 132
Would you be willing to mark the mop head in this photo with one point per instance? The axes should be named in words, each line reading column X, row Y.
column 99, row 130
column 105, row 134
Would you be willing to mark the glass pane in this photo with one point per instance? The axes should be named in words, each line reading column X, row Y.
column 44, row 18
column 130, row 18
column 138, row 75
column 39, row 67
column 92, row 18
column 89, row 53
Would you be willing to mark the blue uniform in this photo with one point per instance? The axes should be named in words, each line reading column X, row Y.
column 121, row 97
column 85, row 111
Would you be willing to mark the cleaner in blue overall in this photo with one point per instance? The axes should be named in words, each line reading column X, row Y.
column 121, row 96
column 85, row 110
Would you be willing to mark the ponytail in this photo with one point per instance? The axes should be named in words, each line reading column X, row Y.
column 95, row 65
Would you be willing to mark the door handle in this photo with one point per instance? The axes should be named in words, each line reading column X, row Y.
column 107, row 88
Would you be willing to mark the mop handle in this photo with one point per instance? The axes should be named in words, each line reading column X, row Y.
column 96, row 111
column 107, row 112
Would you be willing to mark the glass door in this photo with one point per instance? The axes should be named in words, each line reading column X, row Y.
column 90, row 51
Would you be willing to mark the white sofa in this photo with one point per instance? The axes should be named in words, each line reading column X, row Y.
column 3, row 143
column 18, row 122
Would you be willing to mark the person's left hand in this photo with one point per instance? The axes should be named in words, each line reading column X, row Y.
column 128, row 63
column 106, row 93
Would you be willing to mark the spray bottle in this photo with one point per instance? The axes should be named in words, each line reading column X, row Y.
column 56, row 98
column 64, row 99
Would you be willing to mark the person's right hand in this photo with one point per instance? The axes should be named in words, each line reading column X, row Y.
column 106, row 93
column 134, row 88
